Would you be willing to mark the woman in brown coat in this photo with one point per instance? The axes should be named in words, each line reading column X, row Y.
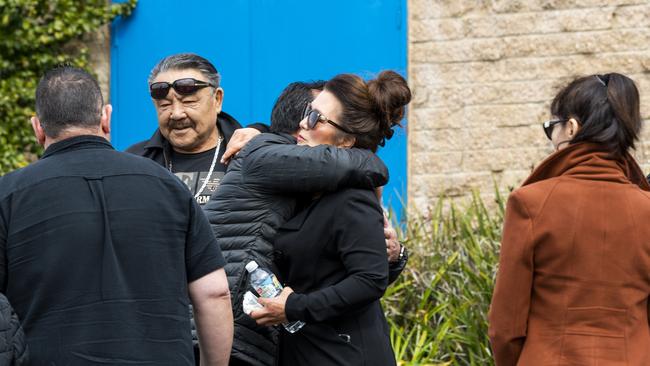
column 574, row 270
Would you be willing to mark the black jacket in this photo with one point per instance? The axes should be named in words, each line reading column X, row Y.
column 158, row 149
column 333, row 255
column 258, row 194
column 13, row 349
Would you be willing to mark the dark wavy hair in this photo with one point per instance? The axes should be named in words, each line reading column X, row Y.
column 371, row 109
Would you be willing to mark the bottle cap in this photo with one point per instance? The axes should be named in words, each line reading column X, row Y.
column 251, row 266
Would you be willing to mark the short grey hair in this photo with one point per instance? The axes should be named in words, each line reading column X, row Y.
column 184, row 61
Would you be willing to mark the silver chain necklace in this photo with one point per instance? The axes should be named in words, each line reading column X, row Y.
column 207, row 178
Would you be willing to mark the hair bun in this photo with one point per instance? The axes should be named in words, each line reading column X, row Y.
column 370, row 109
column 390, row 94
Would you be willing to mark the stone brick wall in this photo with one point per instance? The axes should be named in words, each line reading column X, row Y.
column 483, row 75
column 99, row 50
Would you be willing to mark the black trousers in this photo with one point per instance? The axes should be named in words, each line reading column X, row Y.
column 236, row 362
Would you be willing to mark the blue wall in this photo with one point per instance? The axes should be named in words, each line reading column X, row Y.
column 259, row 46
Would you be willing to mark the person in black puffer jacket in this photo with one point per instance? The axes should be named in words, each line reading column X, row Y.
column 252, row 201
column 13, row 348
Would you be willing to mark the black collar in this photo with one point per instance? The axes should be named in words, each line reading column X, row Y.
column 77, row 143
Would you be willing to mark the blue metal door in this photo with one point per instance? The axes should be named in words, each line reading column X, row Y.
column 259, row 46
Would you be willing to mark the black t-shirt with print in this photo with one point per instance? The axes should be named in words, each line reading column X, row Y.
column 192, row 169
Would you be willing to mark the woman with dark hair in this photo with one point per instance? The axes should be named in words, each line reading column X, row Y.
column 573, row 281
column 333, row 253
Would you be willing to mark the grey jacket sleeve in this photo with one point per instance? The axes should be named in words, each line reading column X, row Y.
column 13, row 349
column 277, row 165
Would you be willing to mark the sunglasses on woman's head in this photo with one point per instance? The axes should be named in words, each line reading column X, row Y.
column 185, row 86
column 313, row 117
column 548, row 127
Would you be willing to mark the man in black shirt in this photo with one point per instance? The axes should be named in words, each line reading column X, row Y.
column 99, row 249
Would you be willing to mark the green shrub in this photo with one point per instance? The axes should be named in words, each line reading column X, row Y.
column 36, row 35
column 437, row 309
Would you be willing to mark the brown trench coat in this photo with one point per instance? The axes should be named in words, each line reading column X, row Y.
column 574, row 270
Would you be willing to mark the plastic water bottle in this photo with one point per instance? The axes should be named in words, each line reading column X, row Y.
column 267, row 285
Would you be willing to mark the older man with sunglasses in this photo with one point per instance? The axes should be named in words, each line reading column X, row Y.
column 192, row 131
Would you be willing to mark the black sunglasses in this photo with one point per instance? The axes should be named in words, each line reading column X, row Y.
column 548, row 126
column 313, row 117
column 185, row 86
